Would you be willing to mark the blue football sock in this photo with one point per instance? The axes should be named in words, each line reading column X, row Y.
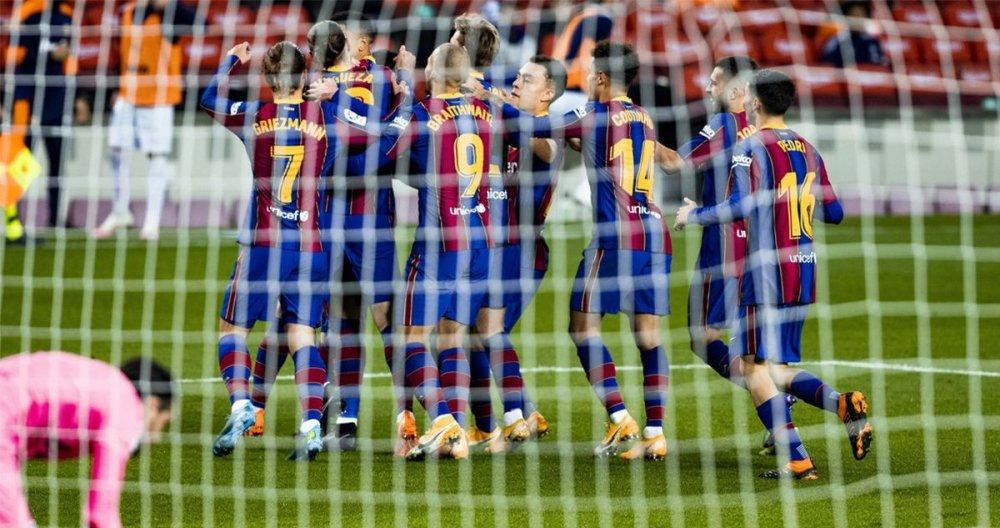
column 810, row 389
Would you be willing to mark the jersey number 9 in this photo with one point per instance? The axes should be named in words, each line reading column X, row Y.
column 469, row 161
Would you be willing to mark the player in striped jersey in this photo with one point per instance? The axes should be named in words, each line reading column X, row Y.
column 360, row 207
column 776, row 180
column 626, row 267
column 519, row 203
column 448, row 148
column 292, row 144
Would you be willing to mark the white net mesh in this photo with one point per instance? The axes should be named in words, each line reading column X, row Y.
column 899, row 97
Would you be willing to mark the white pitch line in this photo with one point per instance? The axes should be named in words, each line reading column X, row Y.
column 863, row 365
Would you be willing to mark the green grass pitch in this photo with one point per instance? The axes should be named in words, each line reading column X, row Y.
column 900, row 291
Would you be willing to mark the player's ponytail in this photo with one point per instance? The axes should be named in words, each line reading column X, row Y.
column 327, row 43
column 283, row 67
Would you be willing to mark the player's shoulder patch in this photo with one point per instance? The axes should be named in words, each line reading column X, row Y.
column 707, row 132
column 355, row 118
column 584, row 110
column 236, row 108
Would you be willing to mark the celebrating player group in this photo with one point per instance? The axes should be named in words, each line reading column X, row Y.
column 318, row 242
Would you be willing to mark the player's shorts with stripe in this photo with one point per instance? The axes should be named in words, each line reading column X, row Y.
column 147, row 128
column 521, row 270
column 770, row 332
column 263, row 276
column 712, row 300
column 612, row 281
column 444, row 284
column 370, row 255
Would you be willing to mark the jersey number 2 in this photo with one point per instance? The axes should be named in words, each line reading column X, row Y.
column 469, row 161
column 801, row 203
column 294, row 155
column 635, row 181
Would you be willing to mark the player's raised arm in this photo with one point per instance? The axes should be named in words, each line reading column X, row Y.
column 228, row 112
column 739, row 204
column 831, row 212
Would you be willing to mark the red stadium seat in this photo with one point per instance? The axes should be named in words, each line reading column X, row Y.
column 706, row 16
column 914, row 13
column 650, row 29
column 963, row 14
column 223, row 20
column 695, row 81
column 286, row 20
column 978, row 81
column 821, row 84
column 877, row 83
column 203, row 53
column 905, row 47
column 937, row 51
column 747, row 47
column 761, row 21
column 88, row 55
column 779, row 48
column 927, row 84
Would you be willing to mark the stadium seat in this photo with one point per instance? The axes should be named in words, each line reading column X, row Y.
column 286, row 21
column 905, row 48
column 821, row 85
column 761, row 21
column 779, row 48
column 88, row 55
column 877, row 83
column 705, row 16
column 938, row 51
column 695, row 81
column 926, row 83
column 223, row 20
column 977, row 81
column 747, row 46
column 650, row 29
column 963, row 14
column 202, row 52
column 914, row 13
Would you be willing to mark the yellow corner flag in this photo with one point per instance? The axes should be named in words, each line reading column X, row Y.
column 18, row 168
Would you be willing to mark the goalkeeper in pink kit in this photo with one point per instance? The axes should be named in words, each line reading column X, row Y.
column 59, row 405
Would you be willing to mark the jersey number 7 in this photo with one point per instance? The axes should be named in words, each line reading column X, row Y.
column 294, row 155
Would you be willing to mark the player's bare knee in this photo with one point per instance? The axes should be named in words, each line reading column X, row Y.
column 380, row 314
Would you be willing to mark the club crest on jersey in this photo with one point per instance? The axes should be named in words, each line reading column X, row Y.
column 463, row 210
column 295, row 216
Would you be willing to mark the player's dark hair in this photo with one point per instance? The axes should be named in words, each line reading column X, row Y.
column 617, row 60
column 735, row 66
column 150, row 379
column 775, row 90
column 355, row 22
column 283, row 67
column 479, row 38
column 555, row 73
column 326, row 43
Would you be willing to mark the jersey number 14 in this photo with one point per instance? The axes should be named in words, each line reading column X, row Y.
column 633, row 180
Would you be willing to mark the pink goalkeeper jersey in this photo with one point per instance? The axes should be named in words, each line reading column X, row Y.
column 60, row 405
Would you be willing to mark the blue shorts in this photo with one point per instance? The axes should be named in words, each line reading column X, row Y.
column 611, row 281
column 712, row 300
column 264, row 276
column 369, row 253
column 445, row 284
column 521, row 270
column 770, row 333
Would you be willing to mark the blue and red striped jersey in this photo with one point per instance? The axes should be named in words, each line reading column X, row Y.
column 618, row 148
column 528, row 183
column 364, row 193
column 776, row 179
column 710, row 151
column 292, row 146
column 448, row 144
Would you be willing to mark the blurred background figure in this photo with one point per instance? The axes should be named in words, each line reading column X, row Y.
column 40, row 53
column 59, row 405
column 839, row 44
column 143, row 115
